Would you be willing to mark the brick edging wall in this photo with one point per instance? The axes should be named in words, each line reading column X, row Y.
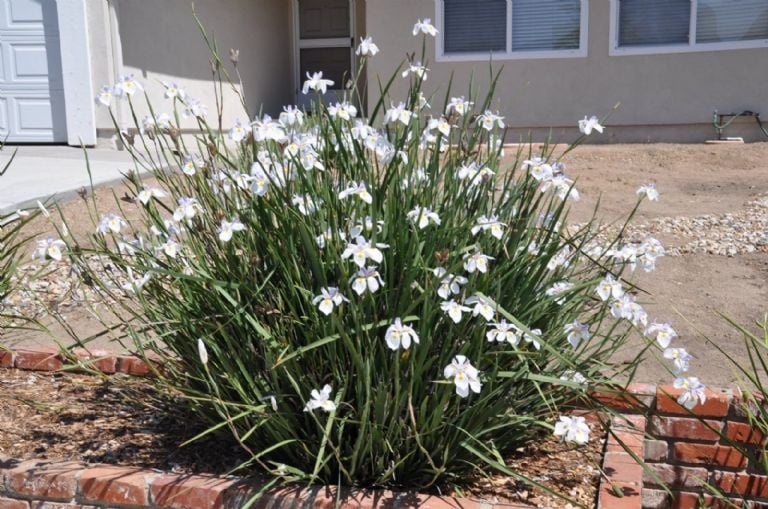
column 51, row 359
column 37, row 484
column 682, row 450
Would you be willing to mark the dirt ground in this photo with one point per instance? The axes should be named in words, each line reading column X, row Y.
column 687, row 290
column 73, row 417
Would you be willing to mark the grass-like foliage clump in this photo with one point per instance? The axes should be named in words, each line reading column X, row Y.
column 13, row 237
column 371, row 297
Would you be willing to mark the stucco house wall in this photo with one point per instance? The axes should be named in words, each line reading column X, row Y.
column 664, row 97
column 160, row 42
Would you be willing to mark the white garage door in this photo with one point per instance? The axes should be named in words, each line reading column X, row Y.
column 31, row 91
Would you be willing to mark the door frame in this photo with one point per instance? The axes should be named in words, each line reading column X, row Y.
column 79, row 106
column 297, row 45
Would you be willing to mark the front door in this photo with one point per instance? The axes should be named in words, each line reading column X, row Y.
column 324, row 44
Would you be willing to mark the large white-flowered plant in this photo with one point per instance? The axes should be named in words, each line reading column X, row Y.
column 376, row 251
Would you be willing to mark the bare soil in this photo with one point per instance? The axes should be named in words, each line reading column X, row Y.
column 687, row 290
column 124, row 421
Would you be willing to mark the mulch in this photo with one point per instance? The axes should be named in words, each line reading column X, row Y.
column 125, row 421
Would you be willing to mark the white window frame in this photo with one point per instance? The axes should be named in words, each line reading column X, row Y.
column 692, row 47
column 508, row 54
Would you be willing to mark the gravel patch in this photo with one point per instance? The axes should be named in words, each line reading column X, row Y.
column 728, row 234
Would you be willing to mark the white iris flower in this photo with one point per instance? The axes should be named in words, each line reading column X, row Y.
column 306, row 204
column 587, row 125
column 366, row 48
column 423, row 217
column 105, row 96
column 135, row 283
column 481, row 307
column 266, row 129
column 367, row 278
column 187, row 209
column 362, row 250
column 126, row 86
column 417, row 70
column 662, row 332
column 454, row 310
column 492, row 223
column 475, row 173
column 458, row 105
column 572, row 430
column 533, row 338
column 190, row 165
column 441, row 125
column 503, row 331
column 538, row 168
column 425, row 27
column 558, row 289
column 227, row 228
column 577, row 332
column 465, row 376
column 239, row 131
column 399, row 113
column 476, row 261
column 147, row 193
column 450, row 284
column 329, row 298
column 623, row 307
column 195, row 108
column 344, row 111
column 170, row 247
column 359, row 190
column 317, row 83
column 49, row 248
column 172, row 90
column 649, row 190
column 291, row 116
column 110, row 223
column 489, row 119
column 681, row 359
column 321, row 399
column 609, row 287
column 693, row 391
column 399, row 334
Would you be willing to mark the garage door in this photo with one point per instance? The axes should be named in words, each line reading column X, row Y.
column 31, row 91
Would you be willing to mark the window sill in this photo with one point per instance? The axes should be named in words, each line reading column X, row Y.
column 518, row 55
column 687, row 48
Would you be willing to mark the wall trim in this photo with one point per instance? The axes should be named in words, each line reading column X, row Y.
column 76, row 73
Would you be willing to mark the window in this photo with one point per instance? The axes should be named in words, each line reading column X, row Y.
column 666, row 26
column 475, row 29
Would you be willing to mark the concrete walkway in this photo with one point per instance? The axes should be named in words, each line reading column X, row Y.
column 40, row 172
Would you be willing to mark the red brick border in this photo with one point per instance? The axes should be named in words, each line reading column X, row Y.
column 49, row 485
column 680, row 448
column 51, row 359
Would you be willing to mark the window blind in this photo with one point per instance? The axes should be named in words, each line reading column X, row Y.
column 654, row 22
column 731, row 20
column 545, row 24
column 474, row 26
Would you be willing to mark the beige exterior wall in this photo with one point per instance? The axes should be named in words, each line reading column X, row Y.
column 667, row 97
column 160, row 41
